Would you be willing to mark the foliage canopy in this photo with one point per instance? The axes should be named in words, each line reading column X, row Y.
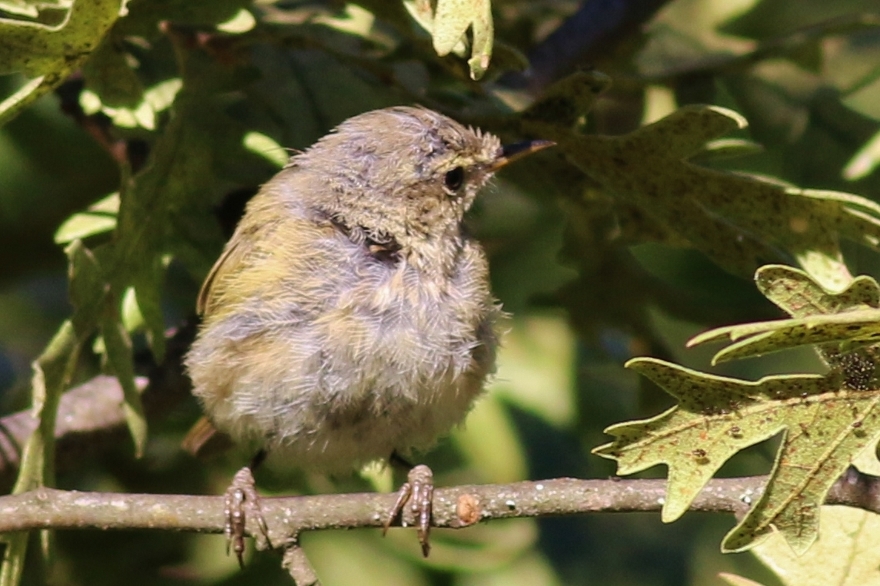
column 730, row 147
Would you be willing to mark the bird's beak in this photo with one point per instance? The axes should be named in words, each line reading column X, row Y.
column 512, row 152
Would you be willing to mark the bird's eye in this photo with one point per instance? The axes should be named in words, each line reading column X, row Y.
column 454, row 179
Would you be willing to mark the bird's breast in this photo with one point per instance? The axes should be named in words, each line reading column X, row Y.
column 355, row 358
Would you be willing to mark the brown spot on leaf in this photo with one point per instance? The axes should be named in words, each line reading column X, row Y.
column 799, row 225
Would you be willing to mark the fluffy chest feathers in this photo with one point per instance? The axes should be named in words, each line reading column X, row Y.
column 354, row 355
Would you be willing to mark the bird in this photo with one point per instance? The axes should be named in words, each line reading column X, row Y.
column 349, row 318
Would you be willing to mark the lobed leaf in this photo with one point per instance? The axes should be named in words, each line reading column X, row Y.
column 799, row 295
column 739, row 221
column 823, row 428
column 563, row 104
column 49, row 53
column 856, row 328
column 35, row 49
column 841, row 322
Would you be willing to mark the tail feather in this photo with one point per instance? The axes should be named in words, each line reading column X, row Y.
column 203, row 440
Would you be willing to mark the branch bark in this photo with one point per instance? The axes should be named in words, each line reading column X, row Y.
column 454, row 507
column 593, row 30
column 90, row 416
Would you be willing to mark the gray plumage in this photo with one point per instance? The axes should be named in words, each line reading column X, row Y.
column 349, row 316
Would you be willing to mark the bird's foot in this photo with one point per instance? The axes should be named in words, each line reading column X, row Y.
column 418, row 491
column 243, row 502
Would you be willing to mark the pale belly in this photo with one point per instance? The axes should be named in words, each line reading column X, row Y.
column 374, row 374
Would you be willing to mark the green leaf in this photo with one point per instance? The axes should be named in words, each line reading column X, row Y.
column 563, row 104
column 131, row 315
column 735, row 580
column 88, row 288
column 14, row 555
column 824, row 427
column 864, row 161
column 242, row 22
column 141, row 112
column 165, row 209
column 25, row 96
column 35, row 49
column 49, row 53
column 841, row 322
column 146, row 17
column 53, row 371
column 147, row 288
column 267, row 148
column 799, row 295
column 858, row 328
column 20, row 7
column 845, row 553
column 728, row 148
column 96, row 307
column 99, row 218
column 121, row 363
column 111, row 76
column 740, row 222
column 449, row 21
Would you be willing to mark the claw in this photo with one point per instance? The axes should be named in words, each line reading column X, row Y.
column 242, row 502
column 418, row 491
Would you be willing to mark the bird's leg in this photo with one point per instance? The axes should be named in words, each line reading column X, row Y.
column 242, row 501
column 418, row 491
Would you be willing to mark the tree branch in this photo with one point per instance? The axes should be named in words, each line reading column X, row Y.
column 454, row 507
column 596, row 27
column 298, row 566
column 91, row 413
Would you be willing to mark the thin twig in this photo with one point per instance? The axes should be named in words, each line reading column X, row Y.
column 298, row 566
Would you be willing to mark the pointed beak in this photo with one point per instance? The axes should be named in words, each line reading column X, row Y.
column 512, row 152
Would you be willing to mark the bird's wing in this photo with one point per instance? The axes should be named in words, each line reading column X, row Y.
column 236, row 251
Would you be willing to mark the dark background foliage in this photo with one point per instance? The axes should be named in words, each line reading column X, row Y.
column 590, row 279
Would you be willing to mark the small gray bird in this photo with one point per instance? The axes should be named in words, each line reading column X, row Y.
column 349, row 319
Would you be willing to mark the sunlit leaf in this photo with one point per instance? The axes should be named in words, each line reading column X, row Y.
column 824, row 427
column 448, row 22
column 49, row 53
column 799, row 295
column 35, row 49
column 266, row 147
column 242, row 22
column 99, row 218
column 735, row 580
column 845, row 553
column 19, row 7
column 850, row 318
column 858, row 328
column 864, row 161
